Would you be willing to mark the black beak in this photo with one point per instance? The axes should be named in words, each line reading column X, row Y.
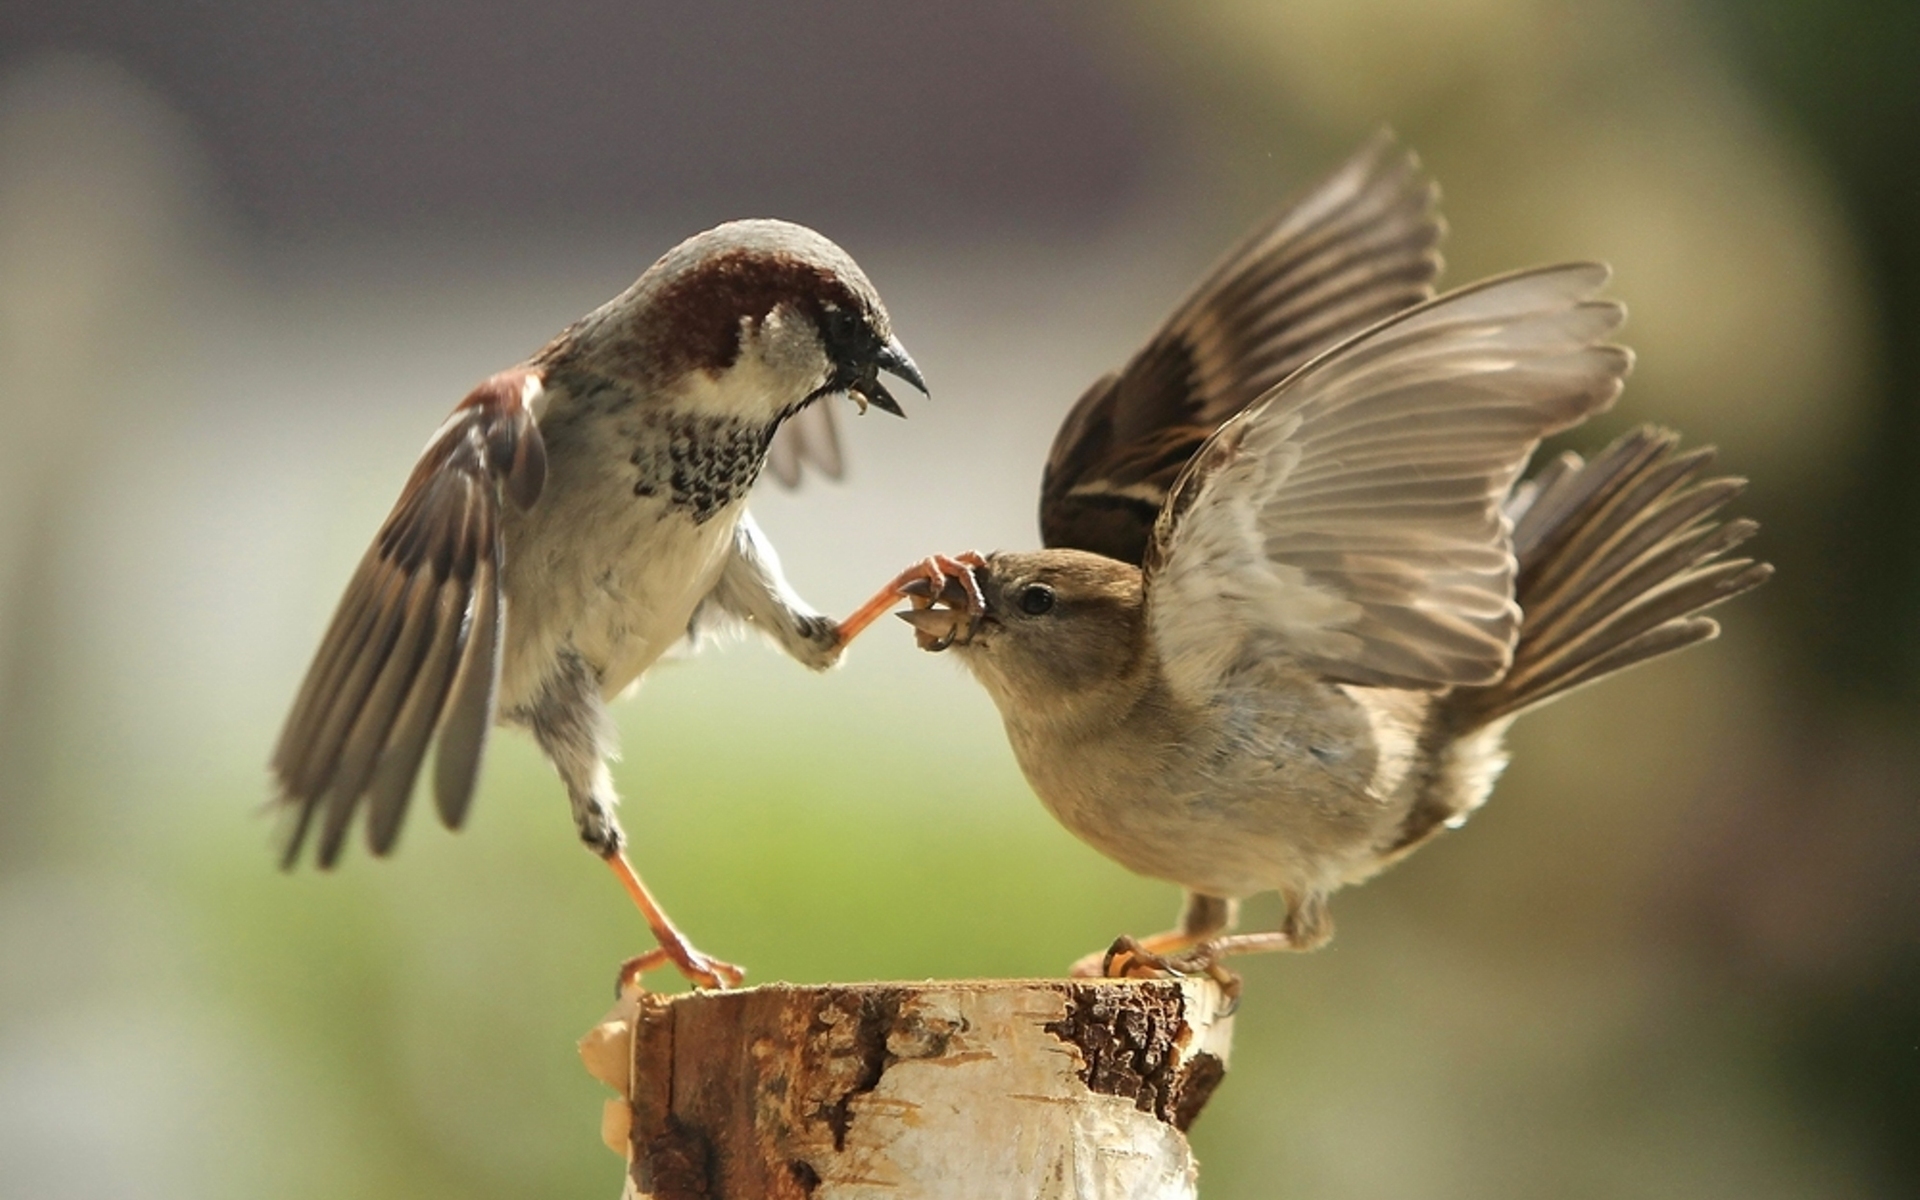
column 894, row 360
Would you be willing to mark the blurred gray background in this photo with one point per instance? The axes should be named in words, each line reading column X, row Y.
column 250, row 253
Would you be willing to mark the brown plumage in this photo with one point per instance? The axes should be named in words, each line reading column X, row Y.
column 414, row 648
column 1356, row 248
column 574, row 518
column 1343, row 598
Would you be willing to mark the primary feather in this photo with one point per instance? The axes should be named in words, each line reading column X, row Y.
column 1352, row 519
column 414, row 650
column 1357, row 247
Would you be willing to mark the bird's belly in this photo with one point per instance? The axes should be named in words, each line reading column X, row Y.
column 616, row 593
column 1184, row 840
column 1217, row 814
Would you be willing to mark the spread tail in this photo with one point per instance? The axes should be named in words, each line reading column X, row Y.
column 1618, row 559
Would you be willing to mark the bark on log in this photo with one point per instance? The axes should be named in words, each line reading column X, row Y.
column 1071, row 1090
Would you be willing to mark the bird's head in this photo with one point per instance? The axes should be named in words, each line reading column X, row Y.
column 1043, row 628
column 751, row 320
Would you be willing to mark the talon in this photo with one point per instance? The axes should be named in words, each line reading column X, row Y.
column 699, row 969
column 705, row 971
column 959, row 569
column 631, row 970
column 925, row 579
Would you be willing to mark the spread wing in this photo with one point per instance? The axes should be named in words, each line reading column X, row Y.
column 414, row 648
column 1351, row 251
column 1352, row 519
column 808, row 438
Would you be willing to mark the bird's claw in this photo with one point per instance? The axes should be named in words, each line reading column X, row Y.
column 940, row 579
column 923, row 582
column 696, row 967
column 1127, row 958
column 950, row 584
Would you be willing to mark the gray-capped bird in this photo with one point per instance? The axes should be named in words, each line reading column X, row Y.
column 574, row 518
column 1286, row 616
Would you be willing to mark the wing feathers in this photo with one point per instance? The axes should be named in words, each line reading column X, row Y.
column 412, row 727
column 1357, row 508
column 1356, row 248
column 463, row 738
column 1618, row 559
column 414, row 648
column 810, row 437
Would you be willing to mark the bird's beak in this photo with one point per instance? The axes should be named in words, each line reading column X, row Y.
column 936, row 628
column 939, row 620
column 894, row 360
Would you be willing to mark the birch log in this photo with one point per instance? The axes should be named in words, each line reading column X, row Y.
column 1069, row 1090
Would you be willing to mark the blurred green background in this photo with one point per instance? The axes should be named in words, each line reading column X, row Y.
column 250, row 253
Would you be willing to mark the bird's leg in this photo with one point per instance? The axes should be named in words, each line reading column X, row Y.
column 1201, row 918
column 1251, row 943
column 1202, row 944
column 568, row 719
column 936, row 570
column 700, row 969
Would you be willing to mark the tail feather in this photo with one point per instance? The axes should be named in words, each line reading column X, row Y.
column 1618, row 558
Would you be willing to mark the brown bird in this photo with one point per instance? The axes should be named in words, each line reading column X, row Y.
column 574, row 518
column 1281, row 628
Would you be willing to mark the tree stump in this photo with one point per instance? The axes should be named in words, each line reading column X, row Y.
column 1073, row 1090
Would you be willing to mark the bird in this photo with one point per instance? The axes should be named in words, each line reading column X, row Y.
column 1294, row 593
column 574, row 518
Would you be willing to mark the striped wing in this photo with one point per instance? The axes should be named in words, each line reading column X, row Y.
column 414, row 648
column 1352, row 519
column 1354, row 249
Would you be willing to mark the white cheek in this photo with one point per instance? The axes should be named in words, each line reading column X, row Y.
column 780, row 364
column 789, row 343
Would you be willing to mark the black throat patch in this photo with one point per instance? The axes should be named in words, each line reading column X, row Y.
column 700, row 463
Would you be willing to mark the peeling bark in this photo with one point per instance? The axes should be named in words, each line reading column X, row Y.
column 1073, row 1090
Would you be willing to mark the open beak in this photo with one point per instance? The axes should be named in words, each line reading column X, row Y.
column 894, row 360
column 937, row 628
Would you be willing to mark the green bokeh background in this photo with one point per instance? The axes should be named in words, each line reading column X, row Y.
column 1677, row 955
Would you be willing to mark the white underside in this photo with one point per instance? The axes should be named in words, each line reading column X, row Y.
column 619, row 594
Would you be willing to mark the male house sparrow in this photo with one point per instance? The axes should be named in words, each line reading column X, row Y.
column 574, row 517
column 1280, row 631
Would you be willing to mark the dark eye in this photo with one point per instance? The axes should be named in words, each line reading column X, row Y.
column 1036, row 598
column 841, row 327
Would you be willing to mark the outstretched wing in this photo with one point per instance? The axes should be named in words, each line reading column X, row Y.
column 1352, row 519
column 1354, row 249
column 414, row 648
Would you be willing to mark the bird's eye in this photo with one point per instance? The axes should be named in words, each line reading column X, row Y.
column 841, row 326
column 1036, row 598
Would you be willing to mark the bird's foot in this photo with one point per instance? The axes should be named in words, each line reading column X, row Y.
column 698, row 968
column 925, row 581
column 1176, row 958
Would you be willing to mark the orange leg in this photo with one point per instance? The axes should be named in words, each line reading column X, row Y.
column 1252, row 943
column 936, row 570
column 701, row 970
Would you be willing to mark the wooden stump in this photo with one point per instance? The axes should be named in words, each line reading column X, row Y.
column 1063, row 1089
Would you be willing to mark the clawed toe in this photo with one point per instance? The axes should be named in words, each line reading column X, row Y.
column 701, row 970
column 705, row 971
column 1128, row 959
